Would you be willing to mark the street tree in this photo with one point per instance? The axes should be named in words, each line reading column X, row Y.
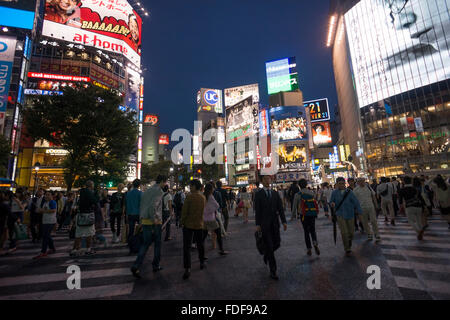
column 150, row 172
column 87, row 122
column 5, row 149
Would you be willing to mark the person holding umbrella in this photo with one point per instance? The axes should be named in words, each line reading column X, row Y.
column 344, row 203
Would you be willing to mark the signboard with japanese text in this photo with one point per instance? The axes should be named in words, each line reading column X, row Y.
column 7, row 50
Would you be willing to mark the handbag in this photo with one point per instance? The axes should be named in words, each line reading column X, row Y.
column 86, row 219
column 260, row 242
column 20, row 231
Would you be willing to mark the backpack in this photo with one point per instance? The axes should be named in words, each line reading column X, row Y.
column 308, row 205
column 177, row 200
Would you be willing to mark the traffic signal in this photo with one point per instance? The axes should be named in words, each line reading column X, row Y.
column 110, row 184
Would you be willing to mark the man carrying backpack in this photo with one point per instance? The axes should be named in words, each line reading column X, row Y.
column 306, row 205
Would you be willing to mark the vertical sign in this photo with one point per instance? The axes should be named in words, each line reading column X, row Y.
column 7, row 50
column 141, row 111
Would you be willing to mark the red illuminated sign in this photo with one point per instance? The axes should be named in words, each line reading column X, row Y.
column 151, row 119
column 164, row 139
column 57, row 77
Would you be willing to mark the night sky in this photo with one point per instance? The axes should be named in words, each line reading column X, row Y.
column 225, row 43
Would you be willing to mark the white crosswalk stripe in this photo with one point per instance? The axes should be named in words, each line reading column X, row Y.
column 104, row 274
column 420, row 266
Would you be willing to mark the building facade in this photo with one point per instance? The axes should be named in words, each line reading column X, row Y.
column 392, row 68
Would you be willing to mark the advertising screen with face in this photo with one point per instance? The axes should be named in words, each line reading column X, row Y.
column 237, row 94
column 107, row 25
column 292, row 157
column 397, row 46
column 242, row 120
column 288, row 123
column 321, row 133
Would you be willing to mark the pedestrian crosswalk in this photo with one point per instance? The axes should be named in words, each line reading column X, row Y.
column 105, row 274
column 421, row 269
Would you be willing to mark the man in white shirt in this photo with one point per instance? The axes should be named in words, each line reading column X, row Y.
column 385, row 192
column 366, row 197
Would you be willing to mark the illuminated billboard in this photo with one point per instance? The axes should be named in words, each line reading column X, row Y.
column 242, row 120
column 318, row 109
column 106, row 25
column 292, row 157
column 164, row 139
column 237, row 94
column 7, row 50
column 397, row 47
column 282, row 75
column 17, row 14
column 209, row 100
column 321, row 133
column 288, row 123
column 151, row 119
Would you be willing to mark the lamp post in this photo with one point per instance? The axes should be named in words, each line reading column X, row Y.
column 37, row 166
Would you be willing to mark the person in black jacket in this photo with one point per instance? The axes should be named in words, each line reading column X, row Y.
column 268, row 212
column 293, row 190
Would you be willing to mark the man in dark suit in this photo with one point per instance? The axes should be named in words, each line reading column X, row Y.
column 268, row 211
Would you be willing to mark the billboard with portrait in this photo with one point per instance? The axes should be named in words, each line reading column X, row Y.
column 292, row 157
column 321, row 133
column 397, row 46
column 106, row 25
column 237, row 94
column 242, row 120
column 288, row 123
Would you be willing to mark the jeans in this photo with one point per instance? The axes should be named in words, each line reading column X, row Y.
column 166, row 216
column 309, row 226
column 188, row 235
column 369, row 214
column 115, row 218
column 151, row 234
column 414, row 215
column 132, row 221
column 47, row 240
column 347, row 227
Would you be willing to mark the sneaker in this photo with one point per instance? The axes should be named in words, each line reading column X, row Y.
column 186, row 274
column 223, row 253
column 348, row 253
column 309, row 252
column 74, row 253
column 158, row 268
column 316, row 248
column 420, row 235
column 12, row 250
column 41, row 255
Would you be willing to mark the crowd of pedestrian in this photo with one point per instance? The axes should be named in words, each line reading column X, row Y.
column 141, row 216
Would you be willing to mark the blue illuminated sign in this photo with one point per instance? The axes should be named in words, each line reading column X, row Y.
column 16, row 18
column 211, row 97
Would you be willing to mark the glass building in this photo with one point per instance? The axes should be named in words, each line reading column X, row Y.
column 392, row 68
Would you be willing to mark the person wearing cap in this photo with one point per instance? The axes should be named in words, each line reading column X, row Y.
column 367, row 197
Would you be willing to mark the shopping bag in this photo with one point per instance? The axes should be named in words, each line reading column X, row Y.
column 20, row 231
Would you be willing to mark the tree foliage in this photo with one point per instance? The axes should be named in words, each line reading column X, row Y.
column 5, row 149
column 87, row 122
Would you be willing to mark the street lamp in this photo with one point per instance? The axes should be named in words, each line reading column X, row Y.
column 37, row 166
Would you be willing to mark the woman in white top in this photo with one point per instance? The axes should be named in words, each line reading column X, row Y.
column 210, row 218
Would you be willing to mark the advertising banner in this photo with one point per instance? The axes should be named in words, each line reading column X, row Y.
column 151, row 119
column 210, row 100
column 106, row 25
column 397, row 46
column 237, row 94
column 282, row 75
column 292, row 157
column 7, row 50
column 321, row 132
column 164, row 139
column 242, row 120
column 288, row 123
column 18, row 13
column 318, row 109
column 291, row 176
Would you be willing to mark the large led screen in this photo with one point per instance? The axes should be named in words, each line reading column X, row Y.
column 292, row 157
column 282, row 75
column 321, row 132
column 107, row 25
column 288, row 123
column 242, row 120
column 397, row 46
column 17, row 13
